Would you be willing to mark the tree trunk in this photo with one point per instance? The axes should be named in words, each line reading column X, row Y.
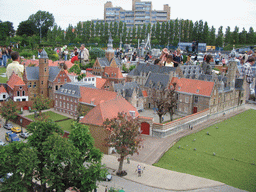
column 120, row 168
column 160, row 118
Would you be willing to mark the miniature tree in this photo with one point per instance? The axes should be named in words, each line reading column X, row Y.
column 8, row 110
column 171, row 101
column 124, row 135
column 77, row 70
column 159, row 100
column 41, row 103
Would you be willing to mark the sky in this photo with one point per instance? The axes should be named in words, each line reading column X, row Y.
column 241, row 13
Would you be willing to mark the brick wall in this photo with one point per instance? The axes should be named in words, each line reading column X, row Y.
column 25, row 121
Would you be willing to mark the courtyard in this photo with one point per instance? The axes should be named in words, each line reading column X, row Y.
column 224, row 152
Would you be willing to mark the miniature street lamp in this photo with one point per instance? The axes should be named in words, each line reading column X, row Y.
column 21, row 124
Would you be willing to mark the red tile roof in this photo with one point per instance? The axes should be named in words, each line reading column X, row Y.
column 89, row 74
column 108, row 109
column 2, row 89
column 115, row 70
column 89, row 95
column 100, row 83
column 144, row 92
column 193, row 86
column 15, row 80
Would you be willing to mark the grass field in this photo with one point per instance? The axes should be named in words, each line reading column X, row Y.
column 65, row 125
column 224, row 152
column 2, row 79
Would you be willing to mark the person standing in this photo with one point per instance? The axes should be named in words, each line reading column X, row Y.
column 75, row 58
column 15, row 66
column 84, row 55
column 206, row 67
column 146, row 57
column 4, row 56
column 248, row 75
column 177, row 58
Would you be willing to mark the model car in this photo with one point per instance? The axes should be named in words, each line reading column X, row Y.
column 24, row 135
column 10, row 137
column 16, row 129
column 8, row 126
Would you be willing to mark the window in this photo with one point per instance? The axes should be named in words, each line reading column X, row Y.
column 42, row 82
column 186, row 100
column 64, row 105
column 58, row 80
column 44, row 60
column 65, row 80
column 18, row 93
column 4, row 96
column 23, row 93
column 34, row 95
column 56, row 87
column 60, row 104
column 64, row 98
column 67, row 105
column 196, row 99
column 60, row 97
column 67, row 98
column 45, row 69
column 71, row 99
column 34, row 84
column 71, row 106
column 56, row 103
column 186, row 109
column 92, row 79
column 29, row 85
column 89, row 79
column 56, row 96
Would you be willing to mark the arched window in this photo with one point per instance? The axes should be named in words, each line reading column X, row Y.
column 23, row 93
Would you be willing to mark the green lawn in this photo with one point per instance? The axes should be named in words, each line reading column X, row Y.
column 234, row 145
column 2, row 79
column 65, row 125
column 53, row 116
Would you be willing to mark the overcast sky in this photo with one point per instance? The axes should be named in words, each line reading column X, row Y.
column 241, row 13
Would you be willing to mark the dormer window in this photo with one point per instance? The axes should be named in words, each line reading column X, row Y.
column 73, row 92
column 65, row 91
column 69, row 91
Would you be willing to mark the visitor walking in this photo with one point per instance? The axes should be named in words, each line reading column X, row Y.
column 248, row 75
column 84, row 55
column 4, row 56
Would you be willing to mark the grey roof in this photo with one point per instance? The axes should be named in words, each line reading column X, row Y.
column 239, row 84
column 53, row 72
column 128, row 87
column 32, row 73
column 103, row 61
column 72, row 89
column 118, row 61
column 156, row 79
column 43, row 55
column 205, row 77
column 146, row 68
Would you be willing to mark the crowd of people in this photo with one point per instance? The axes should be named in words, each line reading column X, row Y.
column 5, row 54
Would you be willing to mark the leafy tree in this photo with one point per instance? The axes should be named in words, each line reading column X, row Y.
column 191, row 27
column 158, row 32
column 6, row 30
column 20, row 160
column 26, row 27
column 8, row 110
column 228, row 38
column 186, row 31
column 206, row 33
column 124, row 135
column 70, row 35
column 219, row 39
column 139, row 32
column 171, row 102
column 212, row 36
column 159, row 100
column 235, row 36
column 76, row 68
column 81, row 111
column 143, row 31
column 195, row 31
column 42, row 19
column 200, row 31
column 176, row 32
column 40, row 103
column 242, row 36
column 250, row 36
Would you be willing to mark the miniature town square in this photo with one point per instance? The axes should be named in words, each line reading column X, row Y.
column 113, row 114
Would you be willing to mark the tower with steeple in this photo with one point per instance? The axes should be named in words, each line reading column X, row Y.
column 110, row 53
column 43, row 73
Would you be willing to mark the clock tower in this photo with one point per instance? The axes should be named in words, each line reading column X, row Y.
column 43, row 74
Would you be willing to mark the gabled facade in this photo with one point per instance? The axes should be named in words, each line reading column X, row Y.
column 17, row 89
column 3, row 93
column 132, row 93
column 113, row 74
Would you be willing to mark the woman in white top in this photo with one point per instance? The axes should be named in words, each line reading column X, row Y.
column 169, row 61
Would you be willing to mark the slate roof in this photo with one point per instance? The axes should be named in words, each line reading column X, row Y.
column 129, row 88
column 239, row 84
column 156, row 79
column 32, row 73
column 108, row 109
column 103, row 61
column 146, row 68
column 43, row 55
column 117, row 60
column 94, row 96
column 15, row 80
column 193, row 86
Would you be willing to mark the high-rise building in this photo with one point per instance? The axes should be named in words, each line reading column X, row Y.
column 141, row 13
